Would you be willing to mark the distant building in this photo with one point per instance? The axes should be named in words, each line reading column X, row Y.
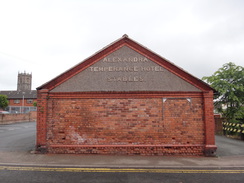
column 22, row 99
column 24, row 82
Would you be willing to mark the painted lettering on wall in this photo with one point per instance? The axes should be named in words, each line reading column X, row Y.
column 128, row 59
column 132, row 65
column 125, row 79
column 127, row 69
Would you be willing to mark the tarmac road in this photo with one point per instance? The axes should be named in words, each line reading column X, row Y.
column 229, row 147
column 18, row 137
column 106, row 175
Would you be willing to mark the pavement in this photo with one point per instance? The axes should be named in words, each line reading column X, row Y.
column 230, row 153
column 67, row 160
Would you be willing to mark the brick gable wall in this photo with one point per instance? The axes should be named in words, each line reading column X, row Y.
column 163, row 126
column 95, row 108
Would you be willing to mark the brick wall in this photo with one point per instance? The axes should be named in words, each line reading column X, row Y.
column 218, row 124
column 41, row 124
column 210, row 147
column 163, row 126
column 13, row 118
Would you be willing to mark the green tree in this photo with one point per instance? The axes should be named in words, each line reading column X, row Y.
column 228, row 81
column 3, row 101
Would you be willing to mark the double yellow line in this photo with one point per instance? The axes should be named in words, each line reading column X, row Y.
column 116, row 170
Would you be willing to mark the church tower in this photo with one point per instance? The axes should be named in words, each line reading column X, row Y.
column 24, row 82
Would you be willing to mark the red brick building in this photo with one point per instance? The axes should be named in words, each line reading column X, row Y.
column 125, row 99
column 22, row 99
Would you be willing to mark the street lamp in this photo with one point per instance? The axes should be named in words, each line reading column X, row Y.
column 23, row 102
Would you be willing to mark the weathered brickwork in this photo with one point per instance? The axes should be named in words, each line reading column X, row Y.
column 133, row 122
column 131, row 150
column 41, row 120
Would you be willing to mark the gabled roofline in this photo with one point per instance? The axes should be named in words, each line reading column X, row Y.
column 125, row 40
column 83, row 64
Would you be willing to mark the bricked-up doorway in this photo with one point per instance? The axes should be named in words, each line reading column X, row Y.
column 126, row 99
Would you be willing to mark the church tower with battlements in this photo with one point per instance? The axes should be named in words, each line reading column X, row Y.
column 24, row 81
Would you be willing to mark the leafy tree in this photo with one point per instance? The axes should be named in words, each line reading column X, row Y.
column 228, row 81
column 3, row 101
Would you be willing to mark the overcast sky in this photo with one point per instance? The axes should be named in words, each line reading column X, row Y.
column 47, row 37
